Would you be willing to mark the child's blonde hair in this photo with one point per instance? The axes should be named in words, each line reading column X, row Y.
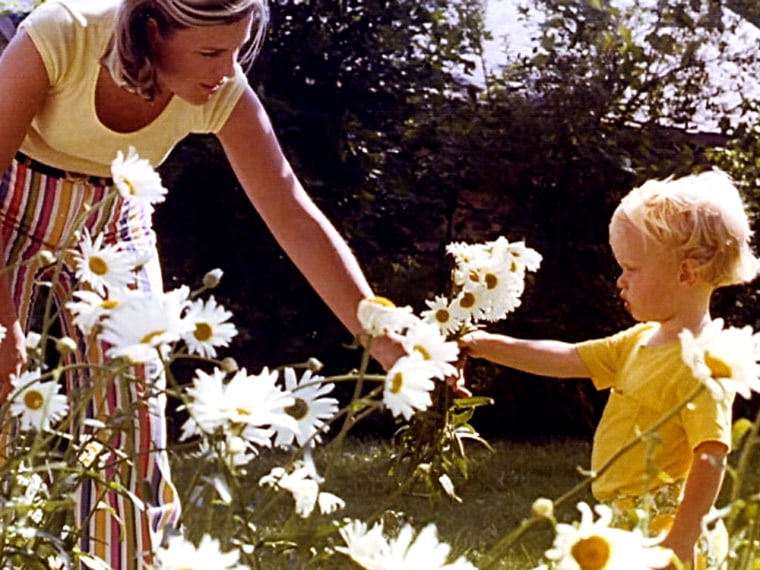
column 700, row 217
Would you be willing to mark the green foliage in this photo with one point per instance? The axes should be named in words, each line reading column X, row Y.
column 380, row 109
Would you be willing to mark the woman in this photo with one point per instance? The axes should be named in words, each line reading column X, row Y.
column 83, row 80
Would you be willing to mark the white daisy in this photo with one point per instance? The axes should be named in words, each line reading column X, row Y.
column 206, row 404
column 311, row 409
column 143, row 325
column 408, row 385
column 464, row 255
column 257, row 406
column 251, row 407
column 136, row 179
column 468, row 305
column 423, row 552
column 89, row 310
column 593, row 544
column 525, row 256
column 489, row 277
column 724, row 360
column 304, row 489
column 440, row 314
column 379, row 316
column 427, row 340
column 366, row 547
column 181, row 554
column 498, row 287
column 38, row 404
column 207, row 327
column 232, row 449
column 329, row 503
column 103, row 267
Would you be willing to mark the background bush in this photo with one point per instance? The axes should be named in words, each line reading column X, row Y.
column 408, row 142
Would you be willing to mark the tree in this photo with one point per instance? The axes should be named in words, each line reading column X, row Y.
column 379, row 108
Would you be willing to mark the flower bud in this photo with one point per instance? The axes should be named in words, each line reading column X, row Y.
column 230, row 365
column 314, row 364
column 45, row 257
column 212, row 278
column 543, row 508
column 65, row 345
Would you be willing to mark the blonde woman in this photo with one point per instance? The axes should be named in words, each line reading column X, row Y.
column 83, row 80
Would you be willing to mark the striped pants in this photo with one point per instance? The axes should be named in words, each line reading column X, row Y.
column 38, row 211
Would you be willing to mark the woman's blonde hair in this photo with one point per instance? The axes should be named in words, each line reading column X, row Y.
column 700, row 217
column 129, row 58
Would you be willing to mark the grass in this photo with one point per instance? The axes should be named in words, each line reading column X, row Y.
column 496, row 497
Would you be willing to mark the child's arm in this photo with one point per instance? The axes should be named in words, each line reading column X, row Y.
column 700, row 492
column 543, row 357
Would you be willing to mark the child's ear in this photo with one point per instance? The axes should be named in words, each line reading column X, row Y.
column 689, row 271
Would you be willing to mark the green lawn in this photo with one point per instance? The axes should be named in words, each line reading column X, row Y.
column 497, row 495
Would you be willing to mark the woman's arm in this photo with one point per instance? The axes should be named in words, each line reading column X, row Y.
column 24, row 88
column 299, row 226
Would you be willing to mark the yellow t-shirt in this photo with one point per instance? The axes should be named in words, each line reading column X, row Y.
column 646, row 384
column 71, row 36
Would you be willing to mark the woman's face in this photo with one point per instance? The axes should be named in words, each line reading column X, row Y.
column 193, row 63
column 650, row 274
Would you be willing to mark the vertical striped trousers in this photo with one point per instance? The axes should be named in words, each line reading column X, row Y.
column 38, row 211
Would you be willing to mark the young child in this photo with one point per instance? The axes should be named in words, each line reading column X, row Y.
column 676, row 241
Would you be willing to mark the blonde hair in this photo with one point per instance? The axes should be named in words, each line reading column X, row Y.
column 700, row 217
column 129, row 58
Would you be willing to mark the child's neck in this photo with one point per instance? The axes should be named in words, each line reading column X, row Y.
column 668, row 331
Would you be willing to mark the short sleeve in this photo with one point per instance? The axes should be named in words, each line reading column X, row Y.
column 707, row 419
column 605, row 357
column 56, row 29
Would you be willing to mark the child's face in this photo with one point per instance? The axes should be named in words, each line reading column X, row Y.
column 650, row 274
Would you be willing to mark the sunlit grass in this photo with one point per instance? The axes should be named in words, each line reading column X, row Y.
column 496, row 496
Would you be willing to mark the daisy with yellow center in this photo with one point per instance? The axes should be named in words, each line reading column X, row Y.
column 89, row 309
column 379, row 316
column 144, row 325
column 440, row 314
column 408, row 385
column 311, row 411
column 251, row 406
column 38, row 404
column 724, row 360
column 103, row 267
column 208, row 327
column 136, row 180
column 594, row 545
column 427, row 340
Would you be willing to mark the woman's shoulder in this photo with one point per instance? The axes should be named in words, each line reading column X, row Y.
column 81, row 13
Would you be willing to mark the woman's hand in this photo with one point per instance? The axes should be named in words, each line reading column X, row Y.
column 387, row 350
column 12, row 356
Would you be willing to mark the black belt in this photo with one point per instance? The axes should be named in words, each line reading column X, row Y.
column 53, row 172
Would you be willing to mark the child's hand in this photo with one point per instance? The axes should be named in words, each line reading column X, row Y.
column 469, row 344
